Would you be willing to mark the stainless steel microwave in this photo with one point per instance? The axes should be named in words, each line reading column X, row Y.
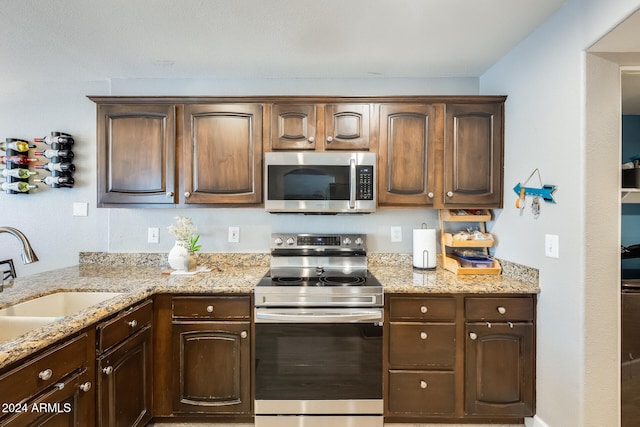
column 325, row 183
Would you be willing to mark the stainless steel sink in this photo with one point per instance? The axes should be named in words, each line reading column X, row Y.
column 57, row 305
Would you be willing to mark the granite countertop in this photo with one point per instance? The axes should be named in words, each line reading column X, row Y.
column 235, row 274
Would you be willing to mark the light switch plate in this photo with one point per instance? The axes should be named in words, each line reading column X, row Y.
column 80, row 209
column 396, row 234
column 552, row 245
column 153, row 235
column 234, row 234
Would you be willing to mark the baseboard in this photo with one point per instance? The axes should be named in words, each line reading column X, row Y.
column 536, row 421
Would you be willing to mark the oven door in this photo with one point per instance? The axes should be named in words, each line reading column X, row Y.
column 319, row 363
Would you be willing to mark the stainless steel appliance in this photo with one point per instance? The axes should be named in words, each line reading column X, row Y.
column 326, row 183
column 319, row 316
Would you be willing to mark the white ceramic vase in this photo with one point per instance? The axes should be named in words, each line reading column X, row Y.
column 179, row 256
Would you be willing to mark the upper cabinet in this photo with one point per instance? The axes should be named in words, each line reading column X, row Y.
column 136, row 154
column 473, row 158
column 320, row 126
column 222, row 148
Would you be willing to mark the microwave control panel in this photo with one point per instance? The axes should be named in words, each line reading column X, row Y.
column 364, row 182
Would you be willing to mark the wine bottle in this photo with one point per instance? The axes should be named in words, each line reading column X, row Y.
column 49, row 153
column 60, row 167
column 21, row 173
column 15, row 145
column 20, row 186
column 63, row 139
column 17, row 160
column 63, row 181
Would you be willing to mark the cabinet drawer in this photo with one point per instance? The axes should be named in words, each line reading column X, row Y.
column 499, row 309
column 43, row 371
column 422, row 345
column 421, row 393
column 209, row 308
column 422, row 308
column 113, row 331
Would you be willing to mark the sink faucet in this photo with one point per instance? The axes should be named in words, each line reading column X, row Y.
column 28, row 256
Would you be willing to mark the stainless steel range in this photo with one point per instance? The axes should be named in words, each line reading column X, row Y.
column 319, row 315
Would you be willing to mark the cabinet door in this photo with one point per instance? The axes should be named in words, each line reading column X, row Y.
column 473, row 155
column 223, row 153
column 124, row 382
column 293, row 127
column 212, row 366
column 346, row 127
column 136, row 154
column 499, row 369
column 406, row 157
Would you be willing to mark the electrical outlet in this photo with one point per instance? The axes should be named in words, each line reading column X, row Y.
column 234, row 234
column 153, row 235
column 396, row 234
column 552, row 245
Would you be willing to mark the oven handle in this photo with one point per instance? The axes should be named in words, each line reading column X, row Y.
column 307, row 317
column 352, row 187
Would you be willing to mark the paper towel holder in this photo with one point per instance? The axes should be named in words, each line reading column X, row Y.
column 425, row 255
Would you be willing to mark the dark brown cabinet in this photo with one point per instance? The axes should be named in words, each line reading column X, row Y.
column 222, row 153
column 457, row 357
column 407, row 154
column 473, row 158
column 54, row 388
column 499, row 357
column 136, row 154
column 124, row 372
column 211, row 361
column 320, row 127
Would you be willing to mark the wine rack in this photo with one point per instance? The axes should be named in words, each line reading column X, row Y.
column 57, row 156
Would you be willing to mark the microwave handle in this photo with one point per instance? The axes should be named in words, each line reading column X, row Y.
column 354, row 184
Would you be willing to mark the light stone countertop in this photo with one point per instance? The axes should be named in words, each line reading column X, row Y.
column 236, row 274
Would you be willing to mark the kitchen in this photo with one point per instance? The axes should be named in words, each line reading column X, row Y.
column 571, row 381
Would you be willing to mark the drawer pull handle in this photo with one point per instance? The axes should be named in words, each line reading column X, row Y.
column 502, row 310
column 209, row 309
column 423, row 384
column 473, row 335
column 488, row 324
column 45, row 375
column 244, row 334
column 510, row 325
column 133, row 323
column 423, row 309
column 85, row 387
column 423, row 335
column 108, row 370
column 58, row 386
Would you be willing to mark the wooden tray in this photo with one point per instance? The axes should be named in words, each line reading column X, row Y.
column 453, row 265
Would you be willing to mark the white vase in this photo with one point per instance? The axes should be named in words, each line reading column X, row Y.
column 179, row 256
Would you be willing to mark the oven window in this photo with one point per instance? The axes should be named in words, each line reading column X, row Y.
column 308, row 182
column 318, row 361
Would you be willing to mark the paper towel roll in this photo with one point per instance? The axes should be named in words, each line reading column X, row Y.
column 424, row 248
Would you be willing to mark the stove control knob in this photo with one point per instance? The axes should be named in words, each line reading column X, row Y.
column 290, row 241
column 359, row 241
column 346, row 241
column 277, row 241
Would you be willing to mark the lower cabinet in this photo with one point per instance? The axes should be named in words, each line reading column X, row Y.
column 124, row 368
column 54, row 388
column 459, row 357
column 211, row 355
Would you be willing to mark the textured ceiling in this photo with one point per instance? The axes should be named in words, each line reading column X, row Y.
column 85, row 40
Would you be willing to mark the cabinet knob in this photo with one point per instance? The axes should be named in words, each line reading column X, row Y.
column 187, row 194
column 209, row 309
column 430, row 195
column 423, row 384
column 133, row 323
column 423, row 309
column 449, row 193
column 45, row 375
column 311, row 140
column 85, row 387
column 108, row 370
column 329, row 139
column 502, row 310
column 423, row 335
column 244, row 334
column 473, row 335
column 169, row 193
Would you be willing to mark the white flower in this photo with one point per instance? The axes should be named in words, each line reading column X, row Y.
column 184, row 228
